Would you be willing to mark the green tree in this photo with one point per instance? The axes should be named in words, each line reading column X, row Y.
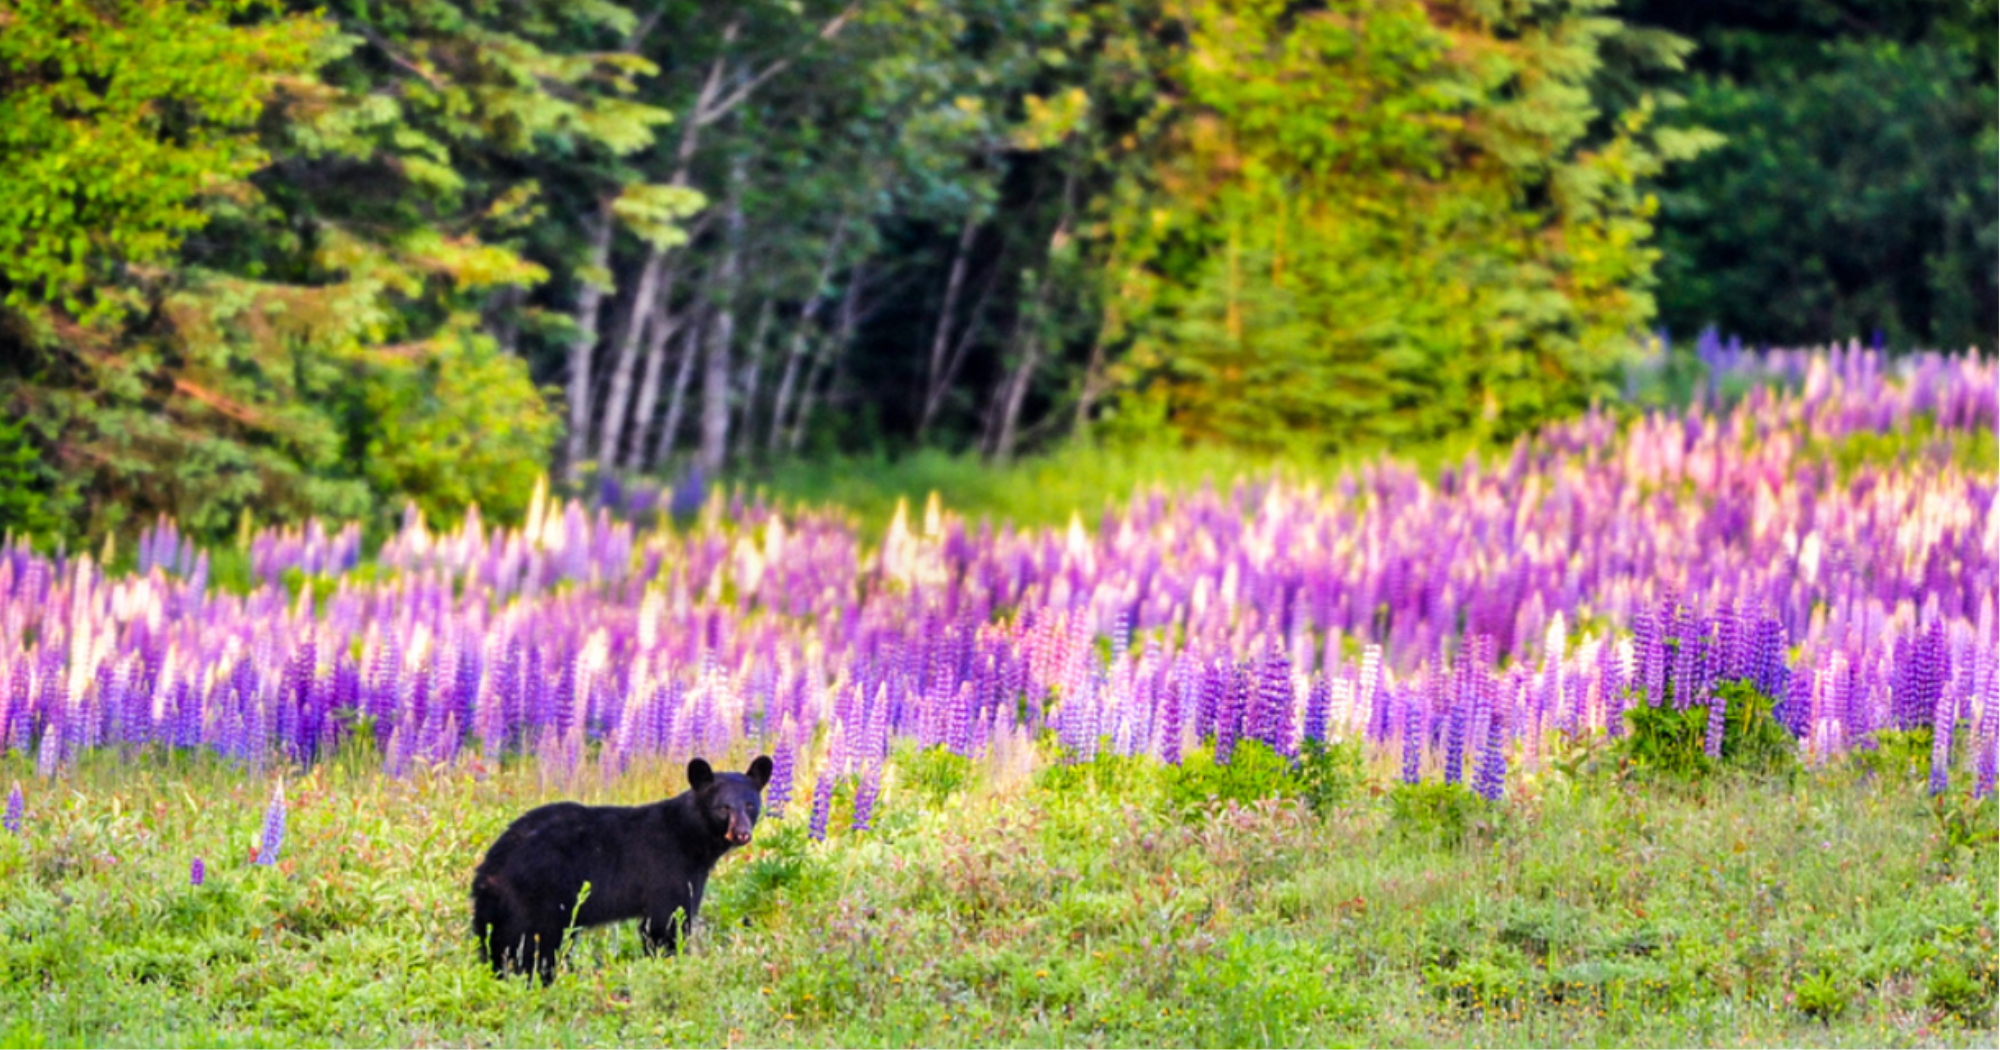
column 1388, row 220
column 306, row 300
column 1856, row 190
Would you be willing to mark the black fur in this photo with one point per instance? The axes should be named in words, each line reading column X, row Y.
column 642, row 862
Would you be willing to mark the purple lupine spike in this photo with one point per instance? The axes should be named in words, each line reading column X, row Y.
column 1176, row 698
column 16, row 808
column 197, row 872
column 1989, row 726
column 273, row 838
column 1905, row 685
column 1769, row 657
column 1795, row 712
column 1611, row 688
column 1727, row 661
column 1229, row 719
column 865, row 795
column 1489, row 775
column 1646, row 656
column 1687, row 634
column 1942, row 725
column 822, row 810
column 1213, row 696
column 1319, row 701
column 1458, row 686
column 1413, row 732
column 1717, row 723
column 1274, row 699
column 778, row 793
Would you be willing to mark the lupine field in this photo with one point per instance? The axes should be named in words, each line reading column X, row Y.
column 1387, row 757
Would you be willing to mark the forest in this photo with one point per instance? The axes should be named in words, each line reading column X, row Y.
column 262, row 261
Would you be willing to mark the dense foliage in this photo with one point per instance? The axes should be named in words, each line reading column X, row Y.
column 275, row 259
column 1855, row 190
column 1390, row 220
column 293, row 263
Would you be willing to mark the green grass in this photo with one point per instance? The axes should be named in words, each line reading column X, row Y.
column 1078, row 478
column 1019, row 902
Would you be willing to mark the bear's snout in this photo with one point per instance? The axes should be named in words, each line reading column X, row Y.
column 739, row 834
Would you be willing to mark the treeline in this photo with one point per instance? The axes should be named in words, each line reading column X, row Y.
column 278, row 260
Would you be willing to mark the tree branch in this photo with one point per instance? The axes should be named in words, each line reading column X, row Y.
column 711, row 113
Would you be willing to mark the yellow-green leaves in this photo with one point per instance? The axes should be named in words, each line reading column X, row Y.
column 1386, row 219
column 114, row 118
column 654, row 212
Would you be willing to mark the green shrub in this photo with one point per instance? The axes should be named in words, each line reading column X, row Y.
column 1438, row 812
column 1255, row 771
column 1962, row 992
column 1673, row 742
column 1324, row 776
column 1328, row 774
column 935, row 773
column 1898, row 753
column 1821, row 996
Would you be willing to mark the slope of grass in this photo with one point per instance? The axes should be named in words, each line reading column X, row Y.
column 1076, row 478
column 1026, row 903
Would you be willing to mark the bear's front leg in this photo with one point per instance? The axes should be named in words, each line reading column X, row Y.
column 663, row 928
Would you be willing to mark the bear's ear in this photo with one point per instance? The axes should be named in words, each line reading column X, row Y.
column 760, row 771
column 699, row 775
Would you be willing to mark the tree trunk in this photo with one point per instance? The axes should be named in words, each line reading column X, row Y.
column 501, row 317
column 1091, row 382
column 1031, row 354
column 935, row 381
column 745, row 433
column 850, row 315
column 665, row 324
column 1017, row 387
column 644, row 310
column 968, row 330
column 663, row 446
column 801, row 338
column 588, row 302
column 714, row 451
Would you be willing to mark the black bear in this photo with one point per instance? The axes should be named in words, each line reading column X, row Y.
column 645, row 862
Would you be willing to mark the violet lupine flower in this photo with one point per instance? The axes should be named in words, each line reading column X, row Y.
column 1942, row 724
column 865, row 795
column 1413, row 732
column 1717, row 724
column 1176, row 697
column 1490, row 774
column 197, row 872
column 273, row 838
column 1795, row 712
column 822, row 810
column 16, row 808
column 1647, row 653
column 1460, row 704
column 1213, row 698
column 779, row 791
column 1319, row 701
column 1274, row 700
column 1238, row 707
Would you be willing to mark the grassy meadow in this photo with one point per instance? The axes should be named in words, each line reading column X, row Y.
column 1022, row 902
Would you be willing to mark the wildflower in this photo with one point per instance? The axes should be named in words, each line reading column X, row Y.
column 822, row 806
column 865, row 796
column 197, row 872
column 16, row 805
column 274, row 827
